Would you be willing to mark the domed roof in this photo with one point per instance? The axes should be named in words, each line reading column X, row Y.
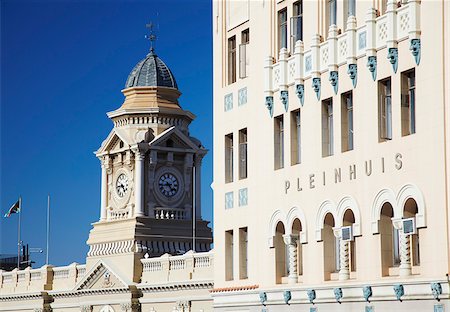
column 151, row 72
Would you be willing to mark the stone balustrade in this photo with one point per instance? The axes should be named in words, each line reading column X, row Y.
column 167, row 268
column 170, row 213
column 26, row 280
column 45, row 278
column 374, row 34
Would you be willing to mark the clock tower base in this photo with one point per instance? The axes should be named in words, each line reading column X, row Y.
column 124, row 242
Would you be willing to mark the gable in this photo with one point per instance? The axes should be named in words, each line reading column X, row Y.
column 116, row 140
column 174, row 138
column 100, row 277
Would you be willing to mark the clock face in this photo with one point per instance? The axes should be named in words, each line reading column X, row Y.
column 168, row 184
column 122, row 184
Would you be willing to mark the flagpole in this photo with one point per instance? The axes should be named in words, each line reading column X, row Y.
column 48, row 227
column 193, row 208
column 18, row 234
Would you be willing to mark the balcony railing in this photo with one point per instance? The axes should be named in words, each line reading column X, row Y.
column 386, row 31
column 190, row 266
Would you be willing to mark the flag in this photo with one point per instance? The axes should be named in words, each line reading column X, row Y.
column 14, row 209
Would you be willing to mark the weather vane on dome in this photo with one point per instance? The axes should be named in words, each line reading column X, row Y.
column 151, row 36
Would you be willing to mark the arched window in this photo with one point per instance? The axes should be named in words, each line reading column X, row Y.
column 389, row 240
column 280, row 253
column 296, row 229
column 349, row 220
column 330, row 247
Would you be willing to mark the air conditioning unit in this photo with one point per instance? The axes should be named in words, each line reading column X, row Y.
column 347, row 233
column 409, row 226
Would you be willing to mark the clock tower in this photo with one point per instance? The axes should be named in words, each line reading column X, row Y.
column 151, row 175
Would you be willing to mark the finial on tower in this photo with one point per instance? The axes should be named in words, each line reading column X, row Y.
column 151, row 36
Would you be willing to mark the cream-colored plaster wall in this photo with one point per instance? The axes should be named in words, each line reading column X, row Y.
column 422, row 154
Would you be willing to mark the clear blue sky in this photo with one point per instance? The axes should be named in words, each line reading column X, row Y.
column 63, row 64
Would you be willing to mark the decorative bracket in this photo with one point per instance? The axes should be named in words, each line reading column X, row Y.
column 367, row 293
column 300, row 91
column 372, row 66
column 287, row 296
column 316, row 87
column 262, row 297
column 311, row 295
column 353, row 73
column 284, row 96
column 338, row 294
column 269, row 104
column 334, row 79
column 436, row 289
column 393, row 58
column 399, row 291
column 415, row 49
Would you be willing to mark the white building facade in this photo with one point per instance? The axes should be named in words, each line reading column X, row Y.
column 330, row 155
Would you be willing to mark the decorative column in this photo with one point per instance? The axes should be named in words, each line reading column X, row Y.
column 139, row 183
column 284, row 95
column 291, row 242
column 104, row 196
column 371, row 50
column 391, row 40
column 344, row 255
column 268, row 90
column 332, row 57
column 405, row 249
column 351, row 50
column 405, row 254
column 344, row 270
column 315, row 68
column 299, row 70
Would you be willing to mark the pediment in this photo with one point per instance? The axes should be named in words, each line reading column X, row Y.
column 101, row 276
column 174, row 138
column 115, row 141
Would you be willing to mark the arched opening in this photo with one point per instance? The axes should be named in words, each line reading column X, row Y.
column 410, row 210
column 349, row 220
column 330, row 247
column 390, row 256
column 280, row 253
column 296, row 229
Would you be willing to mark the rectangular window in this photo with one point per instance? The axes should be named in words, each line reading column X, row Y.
column 296, row 146
column 327, row 127
column 330, row 15
column 232, row 60
column 229, row 255
column 296, row 24
column 349, row 10
column 347, row 121
column 243, row 253
column 279, row 142
column 384, row 110
column 229, row 158
column 282, row 29
column 243, row 153
column 408, row 103
column 245, row 39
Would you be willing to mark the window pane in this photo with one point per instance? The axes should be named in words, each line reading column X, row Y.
column 229, row 158
column 243, row 154
column 232, row 60
column 278, row 142
column 282, row 31
column 408, row 103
